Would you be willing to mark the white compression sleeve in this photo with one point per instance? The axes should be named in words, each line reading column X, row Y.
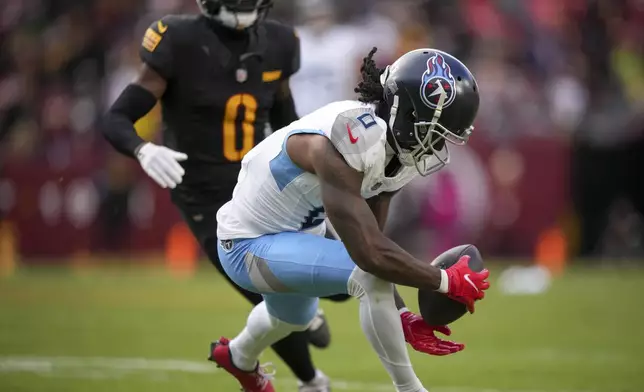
column 261, row 331
column 381, row 323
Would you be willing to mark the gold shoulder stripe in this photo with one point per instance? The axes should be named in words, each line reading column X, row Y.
column 151, row 39
column 162, row 28
column 271, row 76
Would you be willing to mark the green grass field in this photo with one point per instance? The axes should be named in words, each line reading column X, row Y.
column 142, row 330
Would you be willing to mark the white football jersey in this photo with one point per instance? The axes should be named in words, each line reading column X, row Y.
column 274, row 195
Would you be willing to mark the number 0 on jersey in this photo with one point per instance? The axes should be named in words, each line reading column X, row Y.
column 230, row 129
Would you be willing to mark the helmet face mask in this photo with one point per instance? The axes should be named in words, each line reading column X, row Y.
column 235, row 14
column 430, row 108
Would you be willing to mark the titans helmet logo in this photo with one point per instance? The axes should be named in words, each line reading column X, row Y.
column 438, row 85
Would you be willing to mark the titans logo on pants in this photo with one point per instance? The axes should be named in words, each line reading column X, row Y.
column 437, row 81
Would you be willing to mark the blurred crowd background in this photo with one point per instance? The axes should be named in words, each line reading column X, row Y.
column 554, row 168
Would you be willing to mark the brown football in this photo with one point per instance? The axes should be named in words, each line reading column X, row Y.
column 437, row 308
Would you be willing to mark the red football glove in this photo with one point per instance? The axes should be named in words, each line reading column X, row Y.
column 421, row 336
column 465, row 285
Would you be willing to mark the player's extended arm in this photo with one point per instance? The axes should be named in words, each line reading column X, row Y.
column 420, row 336
column 368, row 247
column 283, row 111
column 135, row 101
column 138, row 98
column 380, row 207
column 355, row 223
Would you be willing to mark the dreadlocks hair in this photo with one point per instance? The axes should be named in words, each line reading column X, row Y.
column 369, row 89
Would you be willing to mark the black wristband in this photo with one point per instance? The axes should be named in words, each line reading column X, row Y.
column 118, row 123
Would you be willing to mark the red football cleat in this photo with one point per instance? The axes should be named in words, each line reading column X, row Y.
column 255, row 381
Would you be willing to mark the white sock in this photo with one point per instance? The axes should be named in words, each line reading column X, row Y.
column 261, row 331
column 381, row 324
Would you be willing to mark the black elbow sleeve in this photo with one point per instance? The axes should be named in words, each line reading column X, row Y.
column 118, row 123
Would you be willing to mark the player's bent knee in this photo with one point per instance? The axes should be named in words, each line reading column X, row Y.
column 298, row 327
column 362, row 283
column 292, row 309
column 266, row 328
column 296, row 323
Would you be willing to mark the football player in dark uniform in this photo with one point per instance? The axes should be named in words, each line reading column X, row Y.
column 222, row 78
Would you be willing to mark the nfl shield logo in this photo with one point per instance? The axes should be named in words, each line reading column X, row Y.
column 241, row 75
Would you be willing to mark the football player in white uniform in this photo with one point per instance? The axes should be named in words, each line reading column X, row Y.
column 345, row 161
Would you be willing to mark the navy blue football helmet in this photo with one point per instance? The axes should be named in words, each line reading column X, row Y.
column 433, row 99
